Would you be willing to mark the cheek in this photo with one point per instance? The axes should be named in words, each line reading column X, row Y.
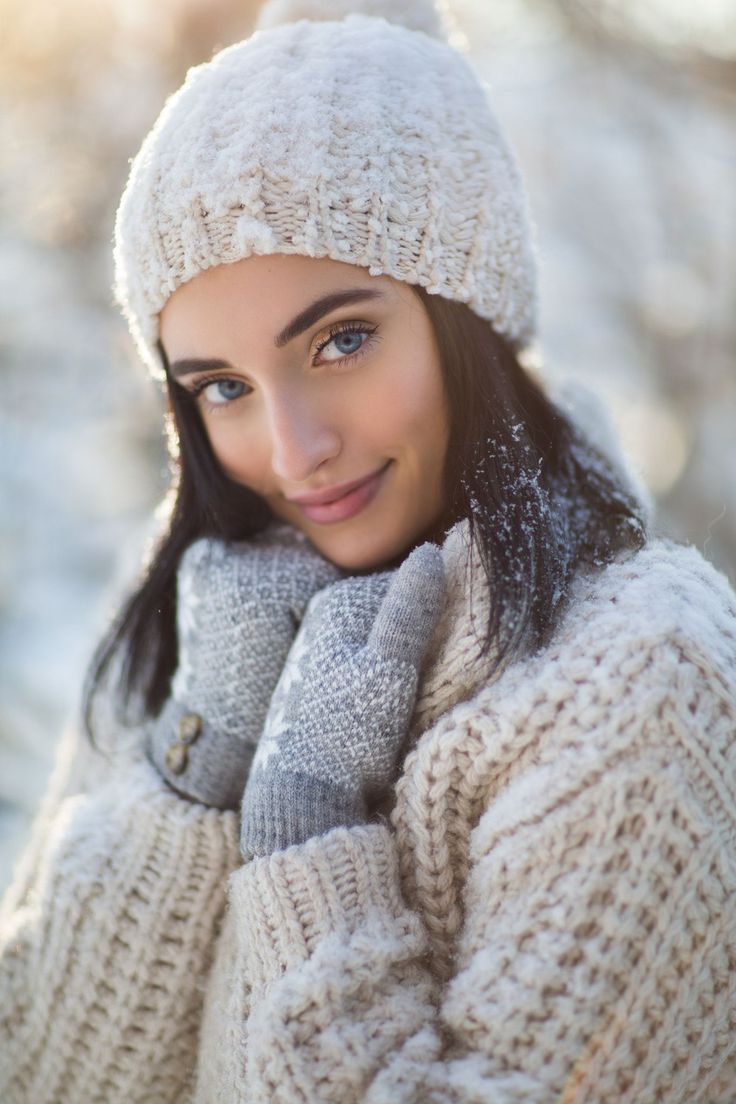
column 243, row 462
column 414, row 407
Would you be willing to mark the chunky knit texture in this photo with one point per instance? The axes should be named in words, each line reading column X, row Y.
column 548, row 916
column 352, row 138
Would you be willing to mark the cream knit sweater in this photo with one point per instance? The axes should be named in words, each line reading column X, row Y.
column 547, row 914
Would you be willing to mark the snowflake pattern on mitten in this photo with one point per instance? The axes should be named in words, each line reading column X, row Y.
column 342, row 705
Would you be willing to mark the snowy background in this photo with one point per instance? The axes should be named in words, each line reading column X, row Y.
column 623, row 117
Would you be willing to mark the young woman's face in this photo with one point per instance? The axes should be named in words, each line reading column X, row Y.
column 311, row 374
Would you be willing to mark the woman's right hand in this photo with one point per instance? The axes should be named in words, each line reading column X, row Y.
column 239, row 605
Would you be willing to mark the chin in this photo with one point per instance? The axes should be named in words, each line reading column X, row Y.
column 356, row 554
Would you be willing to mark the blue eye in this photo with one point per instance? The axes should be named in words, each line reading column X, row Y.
column 345, row 342
column 230, row 390
column 348, row 340
column 227, row 389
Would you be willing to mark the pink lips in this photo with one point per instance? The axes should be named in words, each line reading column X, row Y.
column 348, row 504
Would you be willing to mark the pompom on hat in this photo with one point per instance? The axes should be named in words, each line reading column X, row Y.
column 337, row 129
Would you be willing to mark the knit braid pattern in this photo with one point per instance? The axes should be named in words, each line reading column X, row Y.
column 566, row 838
column 116, row 939
column 549, row 916
column 467, row 769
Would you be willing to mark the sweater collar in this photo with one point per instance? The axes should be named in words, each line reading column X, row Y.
column 454, row 670
column 453, row 667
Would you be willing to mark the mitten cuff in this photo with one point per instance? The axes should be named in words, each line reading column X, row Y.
column 196, row 760
column 286, row 808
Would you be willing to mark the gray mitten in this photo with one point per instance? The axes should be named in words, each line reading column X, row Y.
column 239, row 605
column 343, row 704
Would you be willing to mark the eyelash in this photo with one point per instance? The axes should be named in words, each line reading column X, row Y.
column 196, row 389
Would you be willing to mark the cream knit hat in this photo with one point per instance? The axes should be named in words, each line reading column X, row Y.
column 331, row 133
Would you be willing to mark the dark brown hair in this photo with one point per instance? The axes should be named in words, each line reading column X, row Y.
column 540, row 499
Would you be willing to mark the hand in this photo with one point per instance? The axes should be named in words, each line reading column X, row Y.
column 239, row 605
column 343, row 704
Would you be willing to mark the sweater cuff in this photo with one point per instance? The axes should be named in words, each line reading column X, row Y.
column 286, row 903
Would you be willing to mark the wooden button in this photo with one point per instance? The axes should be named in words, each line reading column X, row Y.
column 190, row 726
column 176, row 757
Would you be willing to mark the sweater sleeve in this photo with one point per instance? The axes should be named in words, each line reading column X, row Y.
column 106, row 936
column 596, row 960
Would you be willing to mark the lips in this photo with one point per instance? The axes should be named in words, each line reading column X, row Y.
column 347, row 504
column 330, row 494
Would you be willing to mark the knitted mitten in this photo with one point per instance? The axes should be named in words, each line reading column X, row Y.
column 342, row 705
column 239, row 605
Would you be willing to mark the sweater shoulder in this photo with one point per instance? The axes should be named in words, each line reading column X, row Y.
column 644, row 655
column 666, row 593
column 641, row 671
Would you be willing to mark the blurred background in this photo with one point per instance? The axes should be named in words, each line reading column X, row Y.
column 622, row 114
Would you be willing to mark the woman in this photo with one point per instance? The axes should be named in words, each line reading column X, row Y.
column 409, row 766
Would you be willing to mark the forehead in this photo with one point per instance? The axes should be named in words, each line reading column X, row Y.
column 255, row 279
column 257, row 297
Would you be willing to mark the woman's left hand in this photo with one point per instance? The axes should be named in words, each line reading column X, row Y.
column 343, row 704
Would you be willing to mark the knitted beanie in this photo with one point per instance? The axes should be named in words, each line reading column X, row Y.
column 363, row 136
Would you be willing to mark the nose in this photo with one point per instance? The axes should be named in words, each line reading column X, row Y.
column 302, row 437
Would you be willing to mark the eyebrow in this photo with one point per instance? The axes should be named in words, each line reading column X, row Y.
column 306, row 318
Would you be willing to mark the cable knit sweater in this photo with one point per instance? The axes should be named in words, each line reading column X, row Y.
column 544, row 913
